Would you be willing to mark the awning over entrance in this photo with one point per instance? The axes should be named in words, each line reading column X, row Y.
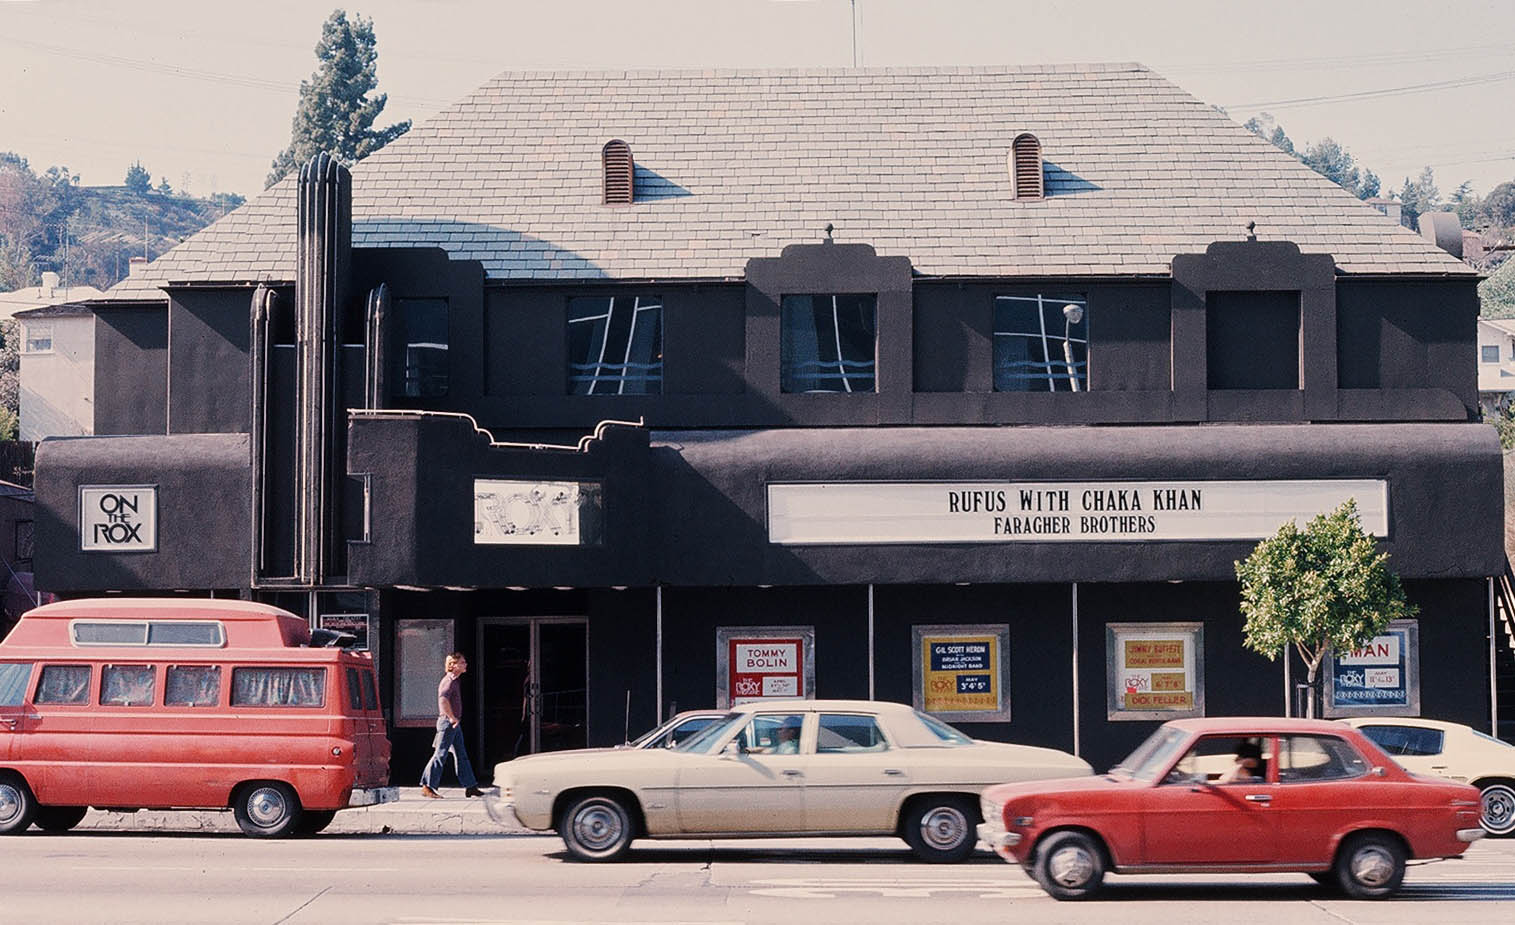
column 1106, row 503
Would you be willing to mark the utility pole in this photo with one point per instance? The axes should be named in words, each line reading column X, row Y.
column 854, row 32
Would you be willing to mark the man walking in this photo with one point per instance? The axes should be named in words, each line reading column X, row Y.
column 450, row 734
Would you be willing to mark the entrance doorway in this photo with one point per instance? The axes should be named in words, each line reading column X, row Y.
column 533, row 686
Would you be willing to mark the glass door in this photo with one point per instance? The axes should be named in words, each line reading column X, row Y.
column 533, row 686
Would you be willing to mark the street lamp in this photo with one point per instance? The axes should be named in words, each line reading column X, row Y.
column 1072, row 314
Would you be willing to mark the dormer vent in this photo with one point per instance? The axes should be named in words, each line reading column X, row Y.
column 1026, row 167
column 620, row 187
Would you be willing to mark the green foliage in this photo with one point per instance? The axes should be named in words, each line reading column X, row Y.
column 10, row 378
column 1321, row 589
column 336, row 113
column 1326, row 157
column 1418, row 198
column 1496, row 294
column 138, row 179
column 1504, row 425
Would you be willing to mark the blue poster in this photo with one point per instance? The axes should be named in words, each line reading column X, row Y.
column 1376, row 675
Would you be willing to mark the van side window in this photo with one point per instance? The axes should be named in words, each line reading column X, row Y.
column 370, row 692
column 13, row 678
column 63, row 684
column 278, row 687
column 192, row 685
column 354, row 691
column 126, row 685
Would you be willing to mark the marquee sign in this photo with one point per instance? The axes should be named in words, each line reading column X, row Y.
column 822, row 513
column 520, row 512
column 118, row 518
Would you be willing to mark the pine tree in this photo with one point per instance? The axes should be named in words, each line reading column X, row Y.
column 336, row 113
column 138, row 179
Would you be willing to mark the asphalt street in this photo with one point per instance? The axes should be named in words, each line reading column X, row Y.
column 120, row 877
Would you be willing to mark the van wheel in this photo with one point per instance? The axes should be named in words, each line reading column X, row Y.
column 313, row 821
column 17, row 805
column 267, row 809
column 1069, row 865
column 596, row 828
column 1370, row 866
column 59, row 818
column 942, row 829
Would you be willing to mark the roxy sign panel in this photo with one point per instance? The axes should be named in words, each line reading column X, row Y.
column 993, row 512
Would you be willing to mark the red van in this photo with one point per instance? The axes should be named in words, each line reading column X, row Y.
column 124, row 703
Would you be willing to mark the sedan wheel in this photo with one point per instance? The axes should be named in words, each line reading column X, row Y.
column 17, row 805
column 1370, row 866
column 942, row 830
column 1069, row 865
column 596, row 828
column 1498, row 809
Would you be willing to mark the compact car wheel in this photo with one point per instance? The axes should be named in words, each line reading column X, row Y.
column 17, row 805
column 1370, row 866
column 267, row 809
column 1498, row 808
column 596, row 828
column 1069, row 865
column 59, row 818
column 942, row 829
column 313, row 821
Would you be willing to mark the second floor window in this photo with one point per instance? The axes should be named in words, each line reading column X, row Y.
column 615, row 345
column 421, row 348
column 830, row 343
column 1041, row 343
column 1490, row 353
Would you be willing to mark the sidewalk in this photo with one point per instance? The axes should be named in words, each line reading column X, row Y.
column 411, row 815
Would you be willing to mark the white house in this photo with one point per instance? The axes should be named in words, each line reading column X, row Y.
column 1496, row 363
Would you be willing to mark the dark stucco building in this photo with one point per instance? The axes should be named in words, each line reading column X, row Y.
column 662, row 390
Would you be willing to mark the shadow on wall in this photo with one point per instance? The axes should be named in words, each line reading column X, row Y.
column 651, row 186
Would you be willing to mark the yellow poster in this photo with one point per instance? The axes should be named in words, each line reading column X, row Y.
column 960, row 674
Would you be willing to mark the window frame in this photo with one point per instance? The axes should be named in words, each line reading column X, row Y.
column 651, row 380
column 1286, row 779
column 878, row 727
column 1483, row 353
column 405, row 339
column 320, row 670
column 788, row 362
column 108, row 668
column 83, row 700
column 30, row 334
column 1074, row 379
column 172, row 668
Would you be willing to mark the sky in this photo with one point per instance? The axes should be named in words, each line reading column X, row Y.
column 201, row 92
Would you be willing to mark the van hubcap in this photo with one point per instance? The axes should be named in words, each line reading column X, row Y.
column 597, row 827
column 944, row 828
column 1372, row 866
column 266, row 807
column 10, row 803
column 1071, row 866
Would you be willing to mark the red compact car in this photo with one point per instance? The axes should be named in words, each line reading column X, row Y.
column 1246, row 795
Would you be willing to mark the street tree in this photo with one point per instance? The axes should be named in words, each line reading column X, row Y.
column 10, row 378
column 1496, row 295
column 1419, row 197
column 336, row 112
column 138, row 179
column 1326, row 588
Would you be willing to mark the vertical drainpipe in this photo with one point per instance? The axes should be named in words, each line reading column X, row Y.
column 870, row 641
column 258, row 350
column 323, row 258
column 658, row 657
column 1493, row 674
column 1076, row 742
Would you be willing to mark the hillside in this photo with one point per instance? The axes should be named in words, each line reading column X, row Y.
column 87, row 233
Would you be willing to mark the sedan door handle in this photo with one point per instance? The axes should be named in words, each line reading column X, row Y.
column 894, row 772
column 1438, row 767
column 1259, row 798
column 793, row 772
column 8, row 721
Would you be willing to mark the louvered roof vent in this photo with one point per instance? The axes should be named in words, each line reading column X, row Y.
column 620, row 188
column 1026, row 167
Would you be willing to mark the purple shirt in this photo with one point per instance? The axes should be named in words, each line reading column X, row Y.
column 449, row 693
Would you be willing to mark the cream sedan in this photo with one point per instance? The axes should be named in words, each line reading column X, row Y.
column 797, row 767
column 1429, row 746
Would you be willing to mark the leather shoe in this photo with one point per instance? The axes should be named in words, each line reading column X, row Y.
column 473, row 792
column 430, row 793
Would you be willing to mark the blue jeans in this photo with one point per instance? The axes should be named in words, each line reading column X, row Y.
column 449, row 738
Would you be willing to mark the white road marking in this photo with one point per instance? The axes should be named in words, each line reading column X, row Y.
column 277, row 870
column 922, row 887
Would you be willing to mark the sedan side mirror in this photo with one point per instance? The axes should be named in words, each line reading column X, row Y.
column 1378, row 771
column 733, row 749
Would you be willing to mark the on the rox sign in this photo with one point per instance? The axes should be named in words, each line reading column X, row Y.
column 118, row 518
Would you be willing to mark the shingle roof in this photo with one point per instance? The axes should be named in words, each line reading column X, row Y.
column 736, row 164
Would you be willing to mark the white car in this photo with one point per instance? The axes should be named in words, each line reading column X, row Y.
column 797, row 767
column 1428, row 746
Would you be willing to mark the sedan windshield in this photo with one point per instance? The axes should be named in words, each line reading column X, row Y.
column 701, row 741
column 941, row 730
column 1152, row 755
